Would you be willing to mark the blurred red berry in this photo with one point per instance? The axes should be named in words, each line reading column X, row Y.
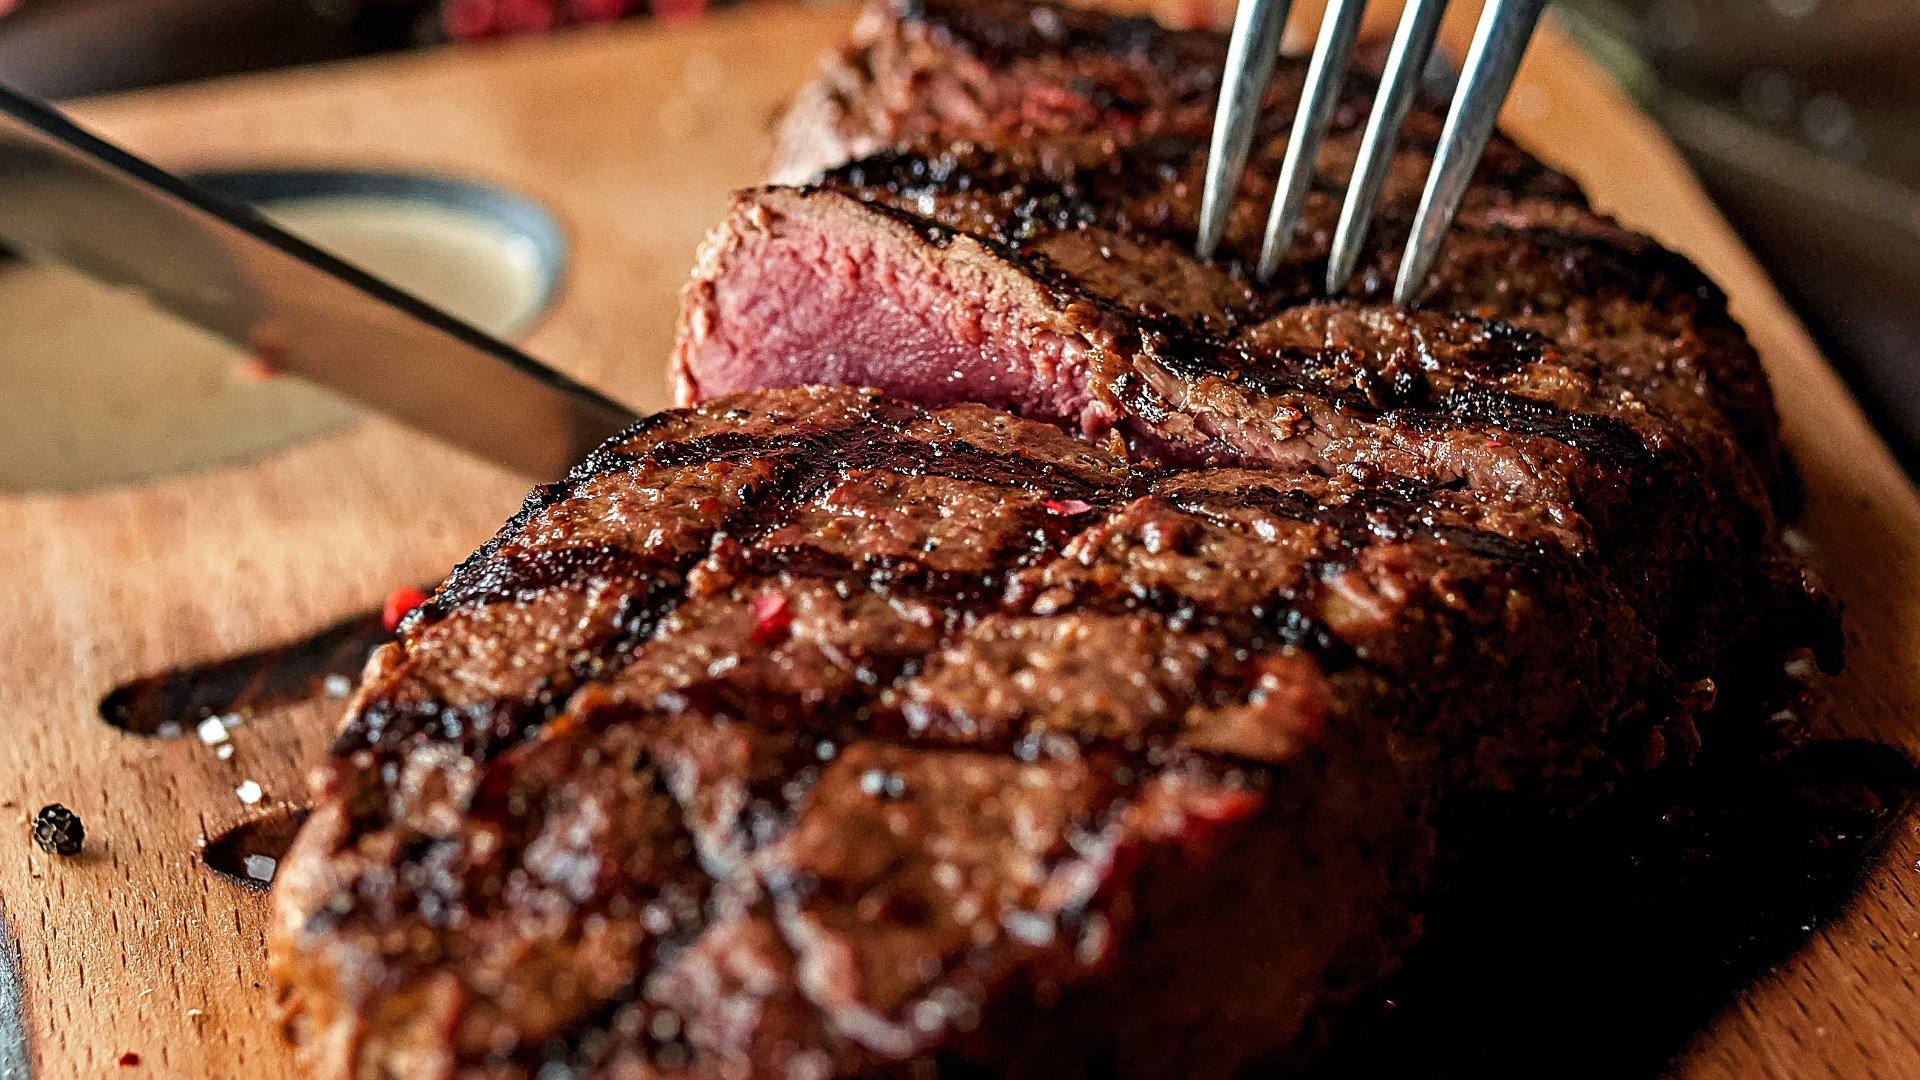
column 525, row 16
column 596, row 11
column 464, row 19
column 678, row 10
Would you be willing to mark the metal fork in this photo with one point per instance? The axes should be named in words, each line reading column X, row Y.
column 1498, row 44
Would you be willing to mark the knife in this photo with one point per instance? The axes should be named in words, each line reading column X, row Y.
column 72, row 197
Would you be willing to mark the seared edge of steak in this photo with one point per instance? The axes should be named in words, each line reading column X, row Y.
column 809, row 730
column 932, row 68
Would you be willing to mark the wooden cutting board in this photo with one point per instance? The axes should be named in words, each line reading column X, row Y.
column 633, row 138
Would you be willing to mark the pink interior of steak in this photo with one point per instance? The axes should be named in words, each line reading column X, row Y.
column 832, row 294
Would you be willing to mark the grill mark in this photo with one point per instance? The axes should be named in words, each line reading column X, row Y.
column 855, row 713
column 814, row 460
column 1465, row 348
column 987, row 32
column 619, row 1024
column 866, row 711
column 1594, row 265
column 523, row 574
column 538, row 501
column 1277, row 622
column 1281, row 624
column 1388, row 512
column 1392, row 397
column 480, row 730
column 1026, row 196
column 822, row 457
column 961, row 596
column 957, row 591
column 870, row 713
column 1113, row 189
column 817, row 457
column 486, row 728
column 428, row 879
column 604, row 459
column 1406, row 397
column 1609, row 440
column 1280, row 621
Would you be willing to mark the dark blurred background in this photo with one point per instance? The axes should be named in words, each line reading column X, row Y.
column 1802, row 116
column 66, row 48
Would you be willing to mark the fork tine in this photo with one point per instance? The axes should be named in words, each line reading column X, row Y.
column 1325, row 74
column 1493, row 60
column 1412, row 44
column 1251, row 53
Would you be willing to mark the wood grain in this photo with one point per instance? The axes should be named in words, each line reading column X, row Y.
column 633, row 137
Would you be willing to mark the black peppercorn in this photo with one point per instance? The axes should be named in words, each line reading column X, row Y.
column 58, row 830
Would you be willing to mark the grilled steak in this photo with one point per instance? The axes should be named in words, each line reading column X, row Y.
column 824, row 732
column 812, row 734
column 1023, row 237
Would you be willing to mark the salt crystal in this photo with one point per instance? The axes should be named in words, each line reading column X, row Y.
column 249, row 792
column 168, row 730
column 1033, row 929
column 881, row 782
column 230, row 721
column 224, row 751
column 809, row 1065
column 928, row 1016
column 261, row 867
column 658, row 920
column 212, row 731
column 337, row 685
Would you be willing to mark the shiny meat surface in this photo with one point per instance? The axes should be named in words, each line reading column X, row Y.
column 812, row 733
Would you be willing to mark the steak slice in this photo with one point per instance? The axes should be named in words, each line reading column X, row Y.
column 810, row 733
column 1019, row 233
column 1002, row 69
column 1048, row 96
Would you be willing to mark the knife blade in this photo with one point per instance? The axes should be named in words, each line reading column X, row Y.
column 72, row 197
